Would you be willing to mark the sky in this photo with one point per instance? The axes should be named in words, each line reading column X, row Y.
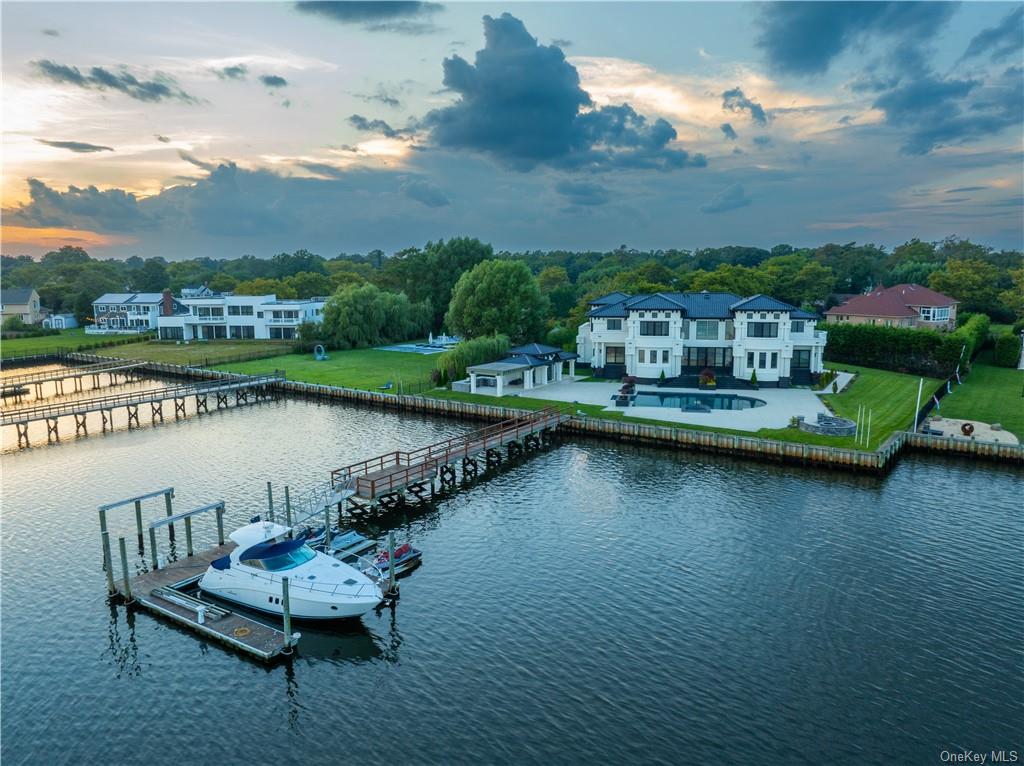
column 219, row 129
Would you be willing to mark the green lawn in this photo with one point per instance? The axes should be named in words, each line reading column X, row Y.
column 365, row 368
column 890, row 395
column 197, row 353
column 68, row 339
column 990, row 394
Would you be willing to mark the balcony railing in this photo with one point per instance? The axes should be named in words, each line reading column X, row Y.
column 284, row 320
column 198, row 318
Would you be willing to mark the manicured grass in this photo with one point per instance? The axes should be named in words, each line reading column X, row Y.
column 365, row 368
column 890, row 395
column 197, row 353
column 68, row 339
column 989, row 394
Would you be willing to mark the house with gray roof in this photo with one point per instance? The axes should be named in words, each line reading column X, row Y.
column 125, row 313
column 21, row 302
column 681, row 335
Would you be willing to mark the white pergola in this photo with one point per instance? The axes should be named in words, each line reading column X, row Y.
column 534, row 374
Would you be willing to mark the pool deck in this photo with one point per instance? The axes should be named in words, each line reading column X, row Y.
column 780, row 404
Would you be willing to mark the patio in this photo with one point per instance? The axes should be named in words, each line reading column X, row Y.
column 781, row 404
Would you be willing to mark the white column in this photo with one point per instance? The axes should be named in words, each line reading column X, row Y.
column 500, row 378
column 528, row 379
column 472, row 382
column 572, row 367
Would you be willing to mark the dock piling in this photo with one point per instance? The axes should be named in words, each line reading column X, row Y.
column 220, row 525
column 286, row 609
column 287, row 506
column 391, row 562
column 270, row 502
column 170, row 512
column 138, row 522
column 327, row 528
column 188, row 535
column 152, row 547
column 124, row 571
column 108, row 565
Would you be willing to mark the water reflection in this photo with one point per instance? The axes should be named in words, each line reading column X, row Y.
column 122, row 647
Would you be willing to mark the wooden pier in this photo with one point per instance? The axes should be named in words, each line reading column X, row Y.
column 244, row 388
column 117, row 371
column 386, row 478
column 162, row 589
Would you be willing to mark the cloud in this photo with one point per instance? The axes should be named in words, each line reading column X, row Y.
column 193, row 160
column 410, row 18
column 583, row 193
column 942, row 111
column 962, row 189
column 161, row 88
column 273, row 81
column 382, row 96
column 359, row 122
column 561, row 42
column 521, row 104
column 730, row 198
column 804, row 38
column 728, row 131
column 51, row 33
column 735, row 101
column 1000, row 41
column 76, row 146
column 162, row 139
column 232, row 72
column 88, row 208
column 424, row 192
column 763, row 141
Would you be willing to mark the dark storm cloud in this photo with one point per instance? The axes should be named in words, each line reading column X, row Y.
column 804, row 38
column 410, row 18
column 1000, row 41
column 423, row 192
column 273, row 81
column 359, row 122
column 233, row 72
column 110, row 210
column 51, row 33
column 728, row 131
column 940, row 111
column 521, row 103
column 735, row 101
column 730, row 198
column 583, row 193
column 161, row 88
column 193, row 160
column 76, row 146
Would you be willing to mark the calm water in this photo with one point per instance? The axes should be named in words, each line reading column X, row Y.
column 597, row 604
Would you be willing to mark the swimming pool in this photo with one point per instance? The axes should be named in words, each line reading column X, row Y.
column 696, row 402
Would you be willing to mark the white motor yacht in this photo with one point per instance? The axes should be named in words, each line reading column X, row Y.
column 319, row 586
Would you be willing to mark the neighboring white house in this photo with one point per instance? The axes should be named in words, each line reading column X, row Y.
column 125, row 312
column 237, row 316
column 682, row 334
column 60, row 322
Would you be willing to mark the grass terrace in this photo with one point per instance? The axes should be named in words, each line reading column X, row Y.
column 365, row 368
column 989, row 394
column 70, row 340
column 205, row 353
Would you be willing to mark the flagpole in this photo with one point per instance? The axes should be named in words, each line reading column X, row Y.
column 920, row 385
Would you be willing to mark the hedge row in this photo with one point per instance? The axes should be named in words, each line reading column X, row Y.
column 919, row 352
column 1007, row 350
column 452, row 364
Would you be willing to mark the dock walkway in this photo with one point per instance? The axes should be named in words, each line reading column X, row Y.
column 113, row 370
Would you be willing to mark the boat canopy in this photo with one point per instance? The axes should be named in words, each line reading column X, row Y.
column 261, row 531
column 270, row 550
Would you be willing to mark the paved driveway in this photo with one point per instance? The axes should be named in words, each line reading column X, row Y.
column 780, row 404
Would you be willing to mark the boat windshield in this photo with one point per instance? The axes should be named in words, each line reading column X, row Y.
column 289, row 560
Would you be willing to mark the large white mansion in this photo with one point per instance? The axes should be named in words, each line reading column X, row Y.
column 682, row 334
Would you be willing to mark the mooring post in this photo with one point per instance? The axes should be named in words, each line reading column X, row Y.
column 391, row 562
column 327, row 528
column 152, row 547
column 220, row 525
column 170, row 512
column 286, row 608
column 124, row 572
column 868, row 442
column 270, row 502
column 188, row 535
column 108, row 565
column 138, row 521
column 287, row 506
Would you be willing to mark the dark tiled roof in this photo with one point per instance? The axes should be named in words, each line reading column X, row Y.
column 656, row 301
column 762, row 303
column 801, row 314
column 706, row 305
column 604, row 300
column 537, row 349
column 16, row 295
column 614, row 310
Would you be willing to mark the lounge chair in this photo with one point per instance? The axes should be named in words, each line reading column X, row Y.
column 386, row 387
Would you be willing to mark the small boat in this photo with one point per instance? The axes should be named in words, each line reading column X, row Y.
column 350, row 543
column 406, row 557
column 319, row 586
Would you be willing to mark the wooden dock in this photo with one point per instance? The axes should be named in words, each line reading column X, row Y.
column 242, row 386
column 113, row 369
column 391, row 473
column 160, row 591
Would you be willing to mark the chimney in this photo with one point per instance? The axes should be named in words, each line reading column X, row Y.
column 167, row 307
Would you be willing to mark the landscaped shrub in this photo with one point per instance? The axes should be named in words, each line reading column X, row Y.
column 1007, row 350
column 919, row 352
column 452, row 364
column 825, row 378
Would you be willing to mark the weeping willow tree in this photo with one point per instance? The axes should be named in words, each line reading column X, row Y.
column 364, row 315
column 452, row 364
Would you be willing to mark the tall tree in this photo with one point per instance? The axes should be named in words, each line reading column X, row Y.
column 497, row 298
column 972, row 282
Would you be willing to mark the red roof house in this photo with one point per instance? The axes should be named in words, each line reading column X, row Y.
column 905, row 305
